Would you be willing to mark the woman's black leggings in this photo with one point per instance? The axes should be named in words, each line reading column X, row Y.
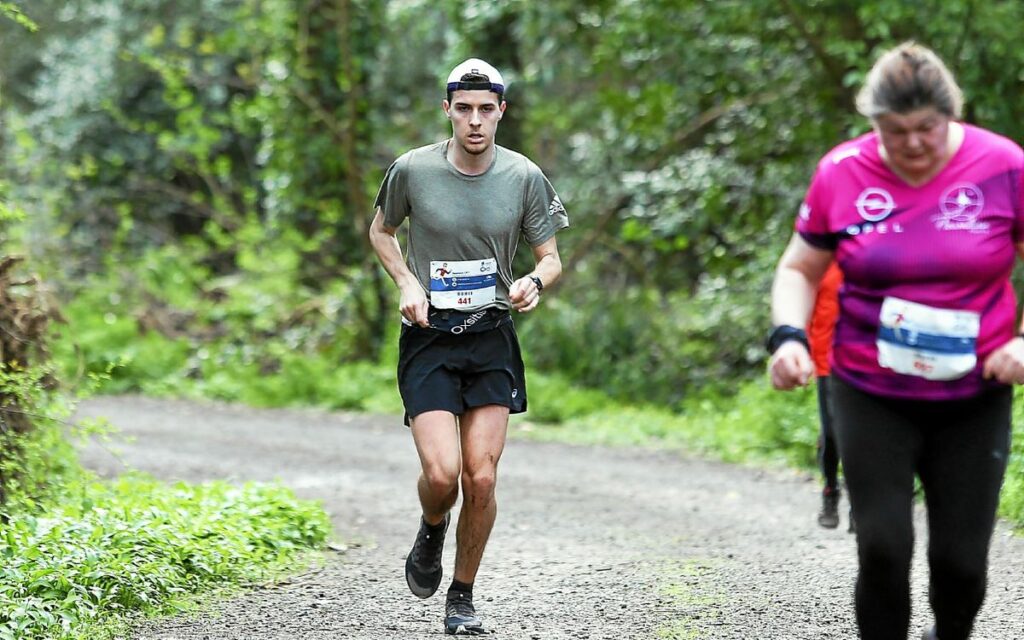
column 959, row 450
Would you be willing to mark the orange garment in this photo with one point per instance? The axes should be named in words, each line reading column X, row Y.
column 823, row 319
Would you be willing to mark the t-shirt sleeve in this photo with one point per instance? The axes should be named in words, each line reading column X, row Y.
column 812, row 223
column 393, row 197
column 544, row 214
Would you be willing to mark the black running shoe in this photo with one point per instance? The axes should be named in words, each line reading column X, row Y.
column 828, row 517
column 423, row 564
column 460, row 615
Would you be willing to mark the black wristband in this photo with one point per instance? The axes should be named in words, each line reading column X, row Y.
column 785, row 333
column 537, row 281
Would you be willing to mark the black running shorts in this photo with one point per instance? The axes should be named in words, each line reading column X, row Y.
column 439, row 371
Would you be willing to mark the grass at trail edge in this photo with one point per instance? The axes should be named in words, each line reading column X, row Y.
column 138, row 546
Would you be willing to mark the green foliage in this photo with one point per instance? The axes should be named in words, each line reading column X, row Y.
column 39, row 463
column 13, row 12
column 1012, row 497
column 78, row 554
column 250, row 136
column 134, row 128
column 253, row 339
column 647, row 346
column 556, row 398
column 686, row 134
column 756, row 424
column 296, row 379
column 196, row 178
column 138, row 545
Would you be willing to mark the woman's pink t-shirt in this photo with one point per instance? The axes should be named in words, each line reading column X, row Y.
column 947, row 244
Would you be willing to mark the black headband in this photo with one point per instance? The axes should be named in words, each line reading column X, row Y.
column 477, row 86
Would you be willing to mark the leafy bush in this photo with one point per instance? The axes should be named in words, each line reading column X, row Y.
column 643, row 346
column 1012, row 505
column 46, row 464
column 755, row 424
column 556, row 399
column 261, row 339
column 295, row 378
column 138, row 545
column 76, row 554
column 33, row 460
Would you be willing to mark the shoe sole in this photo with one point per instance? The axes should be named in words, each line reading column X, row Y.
column 418, row 590
column 463, row 630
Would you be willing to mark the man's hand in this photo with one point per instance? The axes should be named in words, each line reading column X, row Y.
column 524, row 295
column 790, row 366
column 413, row 305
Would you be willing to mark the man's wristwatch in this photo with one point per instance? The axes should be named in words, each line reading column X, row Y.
column 785, row 333
column 537, row 281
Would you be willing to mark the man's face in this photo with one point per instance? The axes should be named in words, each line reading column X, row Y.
column 474, row 116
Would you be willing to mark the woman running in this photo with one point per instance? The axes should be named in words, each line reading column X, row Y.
column 924, row 215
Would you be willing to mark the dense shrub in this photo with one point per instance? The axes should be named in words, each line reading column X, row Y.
column 138, row 545
column 649, row 346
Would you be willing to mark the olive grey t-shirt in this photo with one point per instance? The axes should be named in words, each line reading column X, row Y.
column 463, row 230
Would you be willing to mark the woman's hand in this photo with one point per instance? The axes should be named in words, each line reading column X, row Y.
column 1006, row 364
column 791, row 366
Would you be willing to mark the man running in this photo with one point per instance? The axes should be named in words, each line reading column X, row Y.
column 460, row 373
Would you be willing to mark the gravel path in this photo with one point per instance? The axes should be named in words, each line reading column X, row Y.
column 590, row 542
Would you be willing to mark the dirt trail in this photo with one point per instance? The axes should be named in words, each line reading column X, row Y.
column 590, row 542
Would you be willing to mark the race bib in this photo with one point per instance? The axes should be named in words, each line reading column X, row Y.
column 918, row 340
column 463, row 285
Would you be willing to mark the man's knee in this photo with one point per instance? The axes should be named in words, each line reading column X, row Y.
column 478, row 484
column 442, row 479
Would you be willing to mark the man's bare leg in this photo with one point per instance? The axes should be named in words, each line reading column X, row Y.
column 436, row 435
column 483, row 431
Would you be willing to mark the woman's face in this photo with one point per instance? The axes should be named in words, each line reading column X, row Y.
column 916, row 142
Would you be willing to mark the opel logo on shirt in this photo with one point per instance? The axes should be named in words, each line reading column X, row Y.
column 874, row 204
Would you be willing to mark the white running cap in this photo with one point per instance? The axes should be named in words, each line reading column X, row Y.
column 492, row 79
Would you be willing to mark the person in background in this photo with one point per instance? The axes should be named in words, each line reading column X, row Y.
column 925, row 216
column 819, row 336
